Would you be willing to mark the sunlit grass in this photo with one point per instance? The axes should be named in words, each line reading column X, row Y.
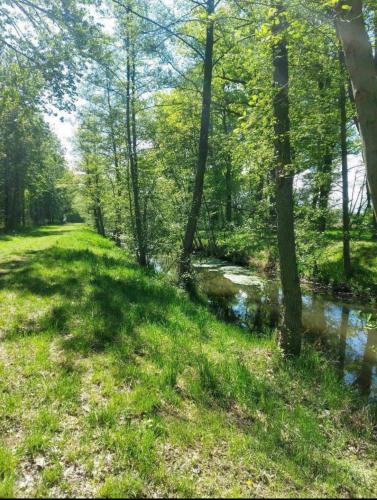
column 113, row 383
column 363, row 262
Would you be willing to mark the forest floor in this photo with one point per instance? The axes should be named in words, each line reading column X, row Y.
column 114, row 384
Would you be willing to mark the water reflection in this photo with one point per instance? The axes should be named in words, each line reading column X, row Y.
column 343, row 337
column 338, row 328
column 367, row 375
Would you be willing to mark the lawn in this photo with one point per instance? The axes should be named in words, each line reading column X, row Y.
column 113, row 384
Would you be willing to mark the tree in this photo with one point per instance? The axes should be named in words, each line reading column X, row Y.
column 344, row 155
column 361, row 67
column 31, row 159
column 292, row 325
column 197, row 194
column 52, row 39
column 130, row 45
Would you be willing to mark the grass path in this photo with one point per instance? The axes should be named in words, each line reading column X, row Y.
column 113, row 384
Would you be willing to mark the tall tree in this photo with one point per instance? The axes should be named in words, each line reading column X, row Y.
column 197, row 194
column 31, row 160
column 132, row 138
column 116, row 160
column 292, row 322
column 361, row 66
column 344, row 154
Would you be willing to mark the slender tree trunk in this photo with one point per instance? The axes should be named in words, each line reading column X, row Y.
column 23, row 221
column 361, row 66
column 212, row 237
column 375, row 37
column 95, row 195
column 324, row 190
column 228, row 183
column 324, row 169
column 118, row 188
column 292, row 323
column 98, row 208
column 184, row 269
column 228, row 177
column 357, row 124
column 130, row 204
column 132, row 151
column 345, row 202
column 374, row 220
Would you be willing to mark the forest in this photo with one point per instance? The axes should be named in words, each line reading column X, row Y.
column 188, row 248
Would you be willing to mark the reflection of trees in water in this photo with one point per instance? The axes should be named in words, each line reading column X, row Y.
column 264, row 310
column 221, row 294
column 259, row 310
column 222, row 306
column 314, row 319
column 274, row 313
column 364, row 380
column 258, row 323
column 317, row 330
column 343, row 330
column 251, row 306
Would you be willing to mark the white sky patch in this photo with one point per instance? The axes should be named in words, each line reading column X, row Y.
column 64, row 125
column 109, row 24
column 356, row 183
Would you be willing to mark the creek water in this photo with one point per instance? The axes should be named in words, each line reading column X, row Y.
column 341, row 328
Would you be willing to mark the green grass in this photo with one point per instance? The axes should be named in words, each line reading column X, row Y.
column 113, row 383
column 363, row 261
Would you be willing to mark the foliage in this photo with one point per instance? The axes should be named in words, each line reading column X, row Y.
column 32, row 165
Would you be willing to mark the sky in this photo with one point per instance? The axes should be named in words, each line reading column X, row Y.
column 66, row 132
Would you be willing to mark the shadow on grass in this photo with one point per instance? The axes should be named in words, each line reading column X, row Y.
column 40, row 231
column 100, row 302
column 92, row 301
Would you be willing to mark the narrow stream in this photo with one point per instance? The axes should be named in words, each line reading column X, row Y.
column 338, row 327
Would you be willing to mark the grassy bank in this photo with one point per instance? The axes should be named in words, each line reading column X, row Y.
column 113, row 383
column 363, row 260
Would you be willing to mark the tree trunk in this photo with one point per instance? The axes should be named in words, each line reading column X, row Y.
column 361, row 66
column 292, row 322
column 228, row 184
column 374, row 220
column 324, row 168
column 345, row 202
column 98, row 206
column 375, row 37
column 132, row 151
column 228, row 177
column 324, row 189
column 184, row 269
column 118, row 188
